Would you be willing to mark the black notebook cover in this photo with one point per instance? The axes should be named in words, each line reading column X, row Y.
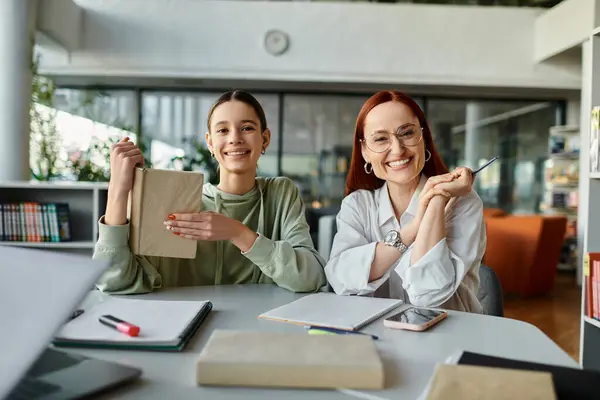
column 180, row 345
column 569, row 383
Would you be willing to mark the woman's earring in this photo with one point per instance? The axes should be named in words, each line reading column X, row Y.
column 368, row 168
column 212, row 154
column 263, row 151
column 427, row 155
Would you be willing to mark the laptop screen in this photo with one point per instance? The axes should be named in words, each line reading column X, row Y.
column 39, row 290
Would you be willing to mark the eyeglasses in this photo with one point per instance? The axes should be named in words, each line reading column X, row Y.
column 381, row 141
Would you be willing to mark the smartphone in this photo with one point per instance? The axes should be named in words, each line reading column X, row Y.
column 415, row 319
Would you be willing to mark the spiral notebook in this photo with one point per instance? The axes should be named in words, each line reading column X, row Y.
column 333, row 311
column 164, row 325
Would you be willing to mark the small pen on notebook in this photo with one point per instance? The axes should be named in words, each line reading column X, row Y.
column 339, row 331
column 119, row 325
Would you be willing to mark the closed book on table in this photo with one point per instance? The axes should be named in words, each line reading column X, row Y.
column 330, row 310
column 290, row 360
column 569, row 383
column 156, row 194
column 467, row 382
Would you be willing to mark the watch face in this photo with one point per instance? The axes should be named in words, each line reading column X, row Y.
column 392, row 236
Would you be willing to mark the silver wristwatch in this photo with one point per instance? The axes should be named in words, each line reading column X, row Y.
column 393, row 239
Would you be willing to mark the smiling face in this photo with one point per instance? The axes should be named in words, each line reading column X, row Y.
column 399, row 164
column 236, row 138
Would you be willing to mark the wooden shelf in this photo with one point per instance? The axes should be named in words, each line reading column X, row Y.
column 565, row 130
column 566, row 267
column 563, row 185
column 571, row 156
column 53, row 185
column 53, row 245
column 592, row 321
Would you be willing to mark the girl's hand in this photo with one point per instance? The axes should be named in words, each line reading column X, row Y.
column 124, row 156
column 211, row 226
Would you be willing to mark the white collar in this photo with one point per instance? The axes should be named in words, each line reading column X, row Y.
column 386, row 211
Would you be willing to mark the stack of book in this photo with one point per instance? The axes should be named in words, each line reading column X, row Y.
column 591, row 273
column 34, row 222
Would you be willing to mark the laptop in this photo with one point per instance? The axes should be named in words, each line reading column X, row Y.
column 39, row 292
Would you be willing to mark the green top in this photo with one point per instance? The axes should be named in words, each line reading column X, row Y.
column 283, row 252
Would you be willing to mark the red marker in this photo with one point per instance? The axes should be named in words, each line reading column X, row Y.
column 120, row 325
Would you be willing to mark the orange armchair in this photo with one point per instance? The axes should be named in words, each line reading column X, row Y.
column 524, row 250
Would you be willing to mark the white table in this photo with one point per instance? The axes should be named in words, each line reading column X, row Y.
column 409, row 357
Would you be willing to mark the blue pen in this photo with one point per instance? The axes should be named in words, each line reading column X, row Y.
column 340, row 331
column 485, row 165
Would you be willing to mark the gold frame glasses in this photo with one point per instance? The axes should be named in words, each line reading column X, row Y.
column 380, row 141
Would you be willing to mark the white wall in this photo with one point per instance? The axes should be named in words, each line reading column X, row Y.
column 563, row 27
column 332, row 42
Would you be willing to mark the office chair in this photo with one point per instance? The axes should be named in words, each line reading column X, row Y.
column 490, row 292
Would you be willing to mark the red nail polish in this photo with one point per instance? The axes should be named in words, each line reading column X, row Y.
column 171, row 216
column 177, row 233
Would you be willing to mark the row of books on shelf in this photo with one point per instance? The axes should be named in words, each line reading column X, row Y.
column 561, row 198
column 35, row 222
column 565, row 141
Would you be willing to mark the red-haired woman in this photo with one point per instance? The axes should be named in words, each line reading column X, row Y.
column 395, row 237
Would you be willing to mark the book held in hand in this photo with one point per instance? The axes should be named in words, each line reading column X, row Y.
column 156, row 194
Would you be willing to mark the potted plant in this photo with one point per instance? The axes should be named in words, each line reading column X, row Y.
column 200, row 159
column 44, row 139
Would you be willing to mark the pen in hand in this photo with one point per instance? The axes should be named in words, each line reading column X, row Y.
column 474, row 174
column 485, row 165
column 119, row 325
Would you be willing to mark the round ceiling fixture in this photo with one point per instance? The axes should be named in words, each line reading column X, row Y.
column 276, row 42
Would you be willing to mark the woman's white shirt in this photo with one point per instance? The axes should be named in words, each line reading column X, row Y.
column 446, row 276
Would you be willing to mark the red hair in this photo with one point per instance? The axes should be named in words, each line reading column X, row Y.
column 357, row 177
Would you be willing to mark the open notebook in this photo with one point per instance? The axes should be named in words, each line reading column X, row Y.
column 164, row 325
column 333, row 311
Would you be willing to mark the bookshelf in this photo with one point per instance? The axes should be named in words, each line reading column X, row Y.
column 86, row 200
column 561, row 186
column 589, row 191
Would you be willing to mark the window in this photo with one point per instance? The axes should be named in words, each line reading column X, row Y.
column 317, row 144
column 116, row 108
column 471, row 132
column 316, row 138
column 77, row 129
column 178, row 120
